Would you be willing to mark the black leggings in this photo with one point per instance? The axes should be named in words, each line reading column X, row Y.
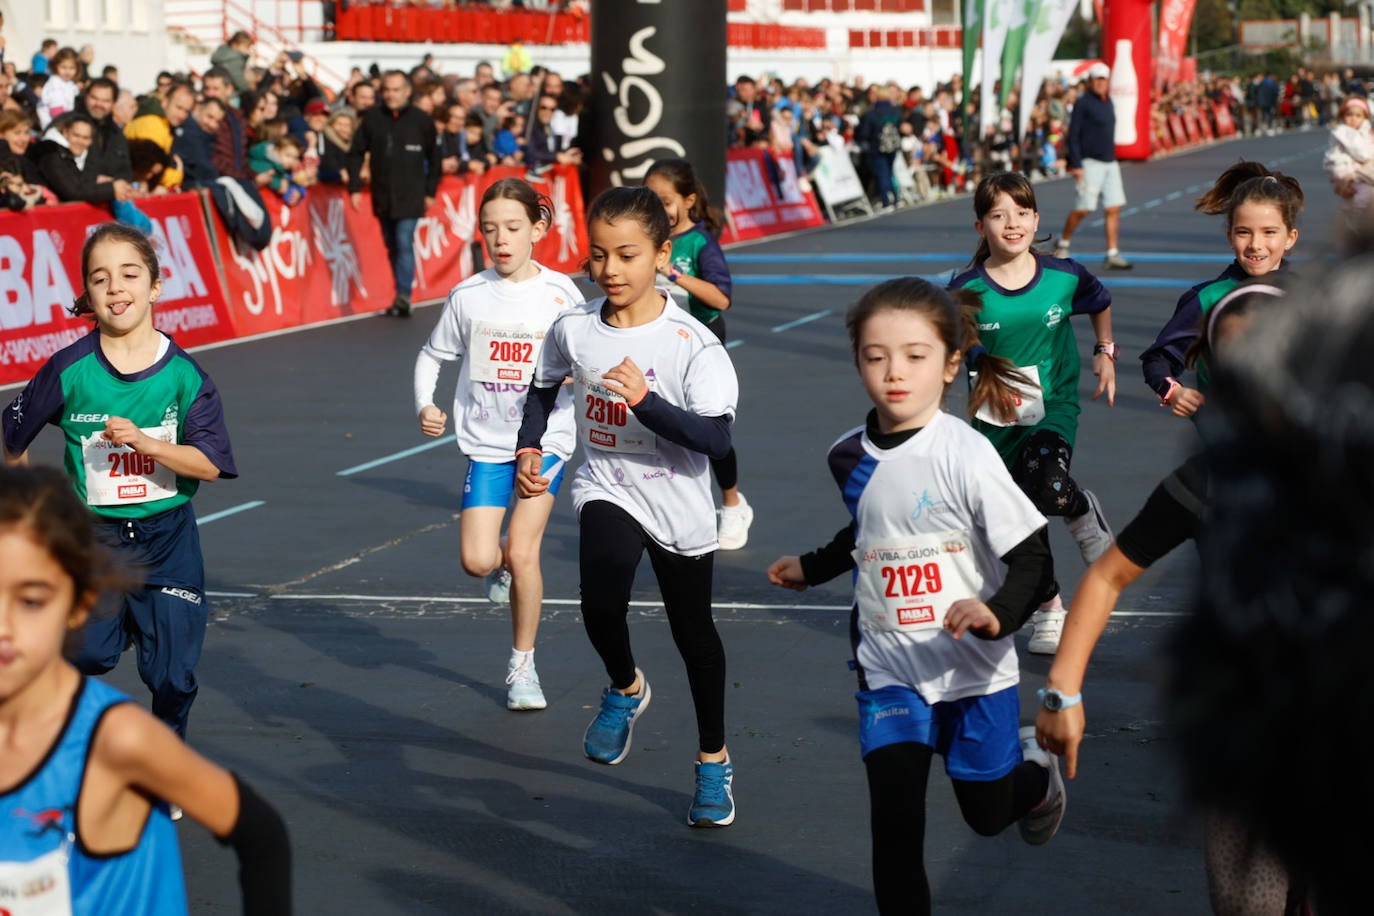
column 611, row 545
column 1042, row 473
column 897, row 777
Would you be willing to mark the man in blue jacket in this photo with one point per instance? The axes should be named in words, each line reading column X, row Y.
column 1092, row 163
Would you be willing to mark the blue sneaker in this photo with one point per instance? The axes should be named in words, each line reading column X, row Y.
column 608, row 737
column 714, row 802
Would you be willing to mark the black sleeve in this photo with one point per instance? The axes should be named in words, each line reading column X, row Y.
column 708, row 435
column 260, row 841
column 834, row 559
column 1169, row 517
column 538, row 405
column 434, row 167
column 1030, row 574
column 362, row 142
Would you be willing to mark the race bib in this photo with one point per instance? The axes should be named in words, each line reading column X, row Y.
column 605, row 421
column 116, row 475
column 908, row 583
column 504, row 352
column 1029, row 399
column 37, row 888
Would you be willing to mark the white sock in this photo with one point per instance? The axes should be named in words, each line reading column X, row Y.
column 1112, row 252
column 517, row 657
column 1054, row 604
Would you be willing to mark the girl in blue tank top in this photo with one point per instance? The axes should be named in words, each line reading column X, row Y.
column 87, row 776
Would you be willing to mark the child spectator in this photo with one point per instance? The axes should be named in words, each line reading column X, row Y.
column 1349, row 160
column 60, row 91
column 147, row 161
column 274, row 165
column 478, row 148
column 507, row 143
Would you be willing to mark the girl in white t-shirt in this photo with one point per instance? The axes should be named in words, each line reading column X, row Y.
column 655, row 400
column 948, row 558
column 60, row 91
column 495, row 322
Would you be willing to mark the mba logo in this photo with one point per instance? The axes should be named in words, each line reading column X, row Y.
column 910, row 616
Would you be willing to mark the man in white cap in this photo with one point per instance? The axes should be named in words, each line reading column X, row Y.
column 1092, row 163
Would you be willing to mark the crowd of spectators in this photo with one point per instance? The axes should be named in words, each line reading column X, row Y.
column 70, row 133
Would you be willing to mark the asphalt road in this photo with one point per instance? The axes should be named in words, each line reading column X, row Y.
column 356, row 676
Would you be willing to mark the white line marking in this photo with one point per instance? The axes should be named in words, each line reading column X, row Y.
column 387, row 459
column 231, row 595
column 816, row 316
column 225, row 513
column 576, row 602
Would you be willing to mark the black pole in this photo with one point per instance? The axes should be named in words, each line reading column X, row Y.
column 659, row 83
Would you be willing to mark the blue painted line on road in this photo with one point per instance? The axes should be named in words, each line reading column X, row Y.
column 734, row 343
column 806, row 319
column 865, row 280
column 225, row 513
column 387, row 459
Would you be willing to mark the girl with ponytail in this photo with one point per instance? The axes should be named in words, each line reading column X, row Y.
column 1028, row 298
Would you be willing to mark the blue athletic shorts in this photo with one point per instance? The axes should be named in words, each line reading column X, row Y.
column 977, row 736
column 492, row 483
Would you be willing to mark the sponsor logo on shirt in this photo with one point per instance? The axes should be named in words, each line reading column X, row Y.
column 185, row 594
column 913, row 615
column 994, row 326
column 88, row 417
column 1053, row 315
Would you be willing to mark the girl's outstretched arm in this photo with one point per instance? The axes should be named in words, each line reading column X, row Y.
column 1062, row 732
column 146, row 757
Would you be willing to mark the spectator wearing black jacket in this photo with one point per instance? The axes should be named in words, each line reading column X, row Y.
column 195, row 143
column 109, row 149
column 63, row 156
column 544, row 147
column 405, row 170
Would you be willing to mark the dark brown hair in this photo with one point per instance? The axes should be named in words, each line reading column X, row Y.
column 1015, row 184
column 114, row 232
column 1247, row 182
column 41, row 501
column 680, row 174
column 537, row 206
column 954, row 315
column 639, row 204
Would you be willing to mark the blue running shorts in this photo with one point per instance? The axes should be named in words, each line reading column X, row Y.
column 492, row 483
column 977, row 736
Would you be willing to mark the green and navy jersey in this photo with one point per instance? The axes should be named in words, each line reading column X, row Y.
column 1165, row 357
column 1030, row 326
column 697, row 254
column 78, row 390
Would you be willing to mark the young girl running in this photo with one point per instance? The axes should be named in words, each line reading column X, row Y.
column 698, row 267
column 1028, row 298
column 654, row 402
column 495, row 323
column 1261, row 209
column 143, row 426
column 86, row 775
column 933, row 604
column 1243, row 876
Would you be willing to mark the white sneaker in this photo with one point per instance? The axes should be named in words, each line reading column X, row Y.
column 1047, row 625
column 1090, row 530
column 175, row 813
column 523, row 680
column 1042, row 822
column 498, row 586
column 733, row 530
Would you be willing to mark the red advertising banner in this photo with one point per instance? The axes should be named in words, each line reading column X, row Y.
column 1127, row 41
column 1175, row 19
column 755, row 207
column 40, row 277
column 327, row 260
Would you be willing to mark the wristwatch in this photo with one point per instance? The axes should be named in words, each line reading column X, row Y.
column 1054, row 701
column 1110, row 348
